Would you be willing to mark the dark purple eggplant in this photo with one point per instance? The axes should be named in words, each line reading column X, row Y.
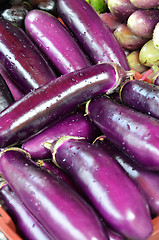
column 74, row 125
column 146, row 180
column 6, row 97
column 142, row 22
column 135, row 133
column 55, row 41
column 47, row 104
column 17, row 92
column 141, row 96
column 58, row 208
column 21, row 59
column 17, row 13
column 90, row 30
column 28, row 227
column 98, row 175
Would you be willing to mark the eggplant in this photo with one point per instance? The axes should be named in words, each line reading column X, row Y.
column 92, row 33
column 49, row 6
column 134, row 63
column 6, row 97
column 142, row 22
column 75, row 125
column 47, row 104
column 55, row 205
column 141, row 96
column 28, row 227
column 111, row 20
column 21, row 58
column 122, row 9
column 127, row 39
column 135, row 133
column 121, row 206
column 55, row 41
column 146, row 180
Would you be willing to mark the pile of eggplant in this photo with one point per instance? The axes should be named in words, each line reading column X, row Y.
column 79, row 134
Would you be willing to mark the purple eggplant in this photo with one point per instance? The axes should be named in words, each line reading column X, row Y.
column 58, row 208
column 142, row 22
column 127, row 39
column 128, row 129
column 93, row 34
column 26, row 224
column 55, row 41
column 21, row 58
column 47, row 104
column 122, row 9
column 141, row 96
column 111, row 20
column 49, row 6
column 73, row 125
column 122, row 205
column 6, row 97
column 145, row 3
column 146, row 180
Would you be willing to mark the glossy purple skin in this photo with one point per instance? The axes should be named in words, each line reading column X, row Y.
column 121, row 8
column 93, row 34
column 74, row 125
column 55, row 41
column 142, row 96
column 146, row 180
column 98, row 175
column 21, row 58
column 142, row 22
column 128, row 129
column 58, row 98
column 113, row 235
column 59, row 209
column 27, row 225
column 6, row 97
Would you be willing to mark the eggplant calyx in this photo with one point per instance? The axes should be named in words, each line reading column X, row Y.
column 53, row 147
column 86, row 108
column 99, row 138
column 15, row 149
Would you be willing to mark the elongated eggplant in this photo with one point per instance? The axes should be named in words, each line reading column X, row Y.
column 21, row 58
column 74, row 125
column 59, row 209
column 141, row 96
column 47, row 104
column 122, row 205
column 27, row 225
column 135, row 133
column 92, row 33
column 146, row 180
column 55, row 41
column 6, row 97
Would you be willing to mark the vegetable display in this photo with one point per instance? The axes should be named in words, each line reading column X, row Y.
column 79, row 82
column 57, row 207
